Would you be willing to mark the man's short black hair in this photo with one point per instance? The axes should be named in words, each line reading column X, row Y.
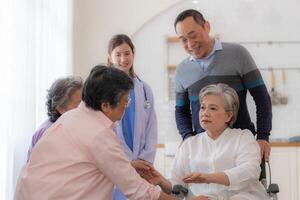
column 197, row 16
column 105, row 85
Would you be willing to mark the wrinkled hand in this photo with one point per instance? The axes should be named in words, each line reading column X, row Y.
column 200, row 198
column 141, row 165
column 152, row 176
column 147, row 171
column 265, row 149
column 195, row 178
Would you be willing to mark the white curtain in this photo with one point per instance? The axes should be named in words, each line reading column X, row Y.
column 35, row 49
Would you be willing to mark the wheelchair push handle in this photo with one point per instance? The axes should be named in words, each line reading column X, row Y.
column 263, row 170
column 273, row 188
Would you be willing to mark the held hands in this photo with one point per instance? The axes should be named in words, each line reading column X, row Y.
column 147, row 171
column 265, row 149
column 195, row 178
column 141, row 165
column 153, row 177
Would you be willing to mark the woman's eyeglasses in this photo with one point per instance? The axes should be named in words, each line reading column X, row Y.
column 127, row 103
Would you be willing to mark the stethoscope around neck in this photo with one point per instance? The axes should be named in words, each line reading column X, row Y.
column 147, row 104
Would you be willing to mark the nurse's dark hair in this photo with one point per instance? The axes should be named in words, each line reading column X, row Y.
column 231, row 98
column 118, row 40
column 60, row 93
column 105, row 84
column 197, row 16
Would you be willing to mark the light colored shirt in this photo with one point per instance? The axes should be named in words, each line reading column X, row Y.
column 235, row 152
column 205, row 62
column 80, row 157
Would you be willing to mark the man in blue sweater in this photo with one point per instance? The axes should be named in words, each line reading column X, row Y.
column 212, row 62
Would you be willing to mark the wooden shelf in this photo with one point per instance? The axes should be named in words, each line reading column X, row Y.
column 172, row 39
column 285, row 144
column 171, row 66
column 160, row 146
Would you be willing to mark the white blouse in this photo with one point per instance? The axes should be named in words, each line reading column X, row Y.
column 235, row 152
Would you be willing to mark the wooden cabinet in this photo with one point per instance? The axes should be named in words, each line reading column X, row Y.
column 159, row 162
column 284, row 162
column 298, row 172
column 163, row 163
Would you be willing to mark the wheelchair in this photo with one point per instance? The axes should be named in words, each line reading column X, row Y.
column 272, row 189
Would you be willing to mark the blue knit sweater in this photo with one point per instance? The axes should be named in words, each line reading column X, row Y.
column 232, row 65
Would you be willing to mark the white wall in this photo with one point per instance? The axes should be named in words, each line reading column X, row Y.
column 237, row 21
column 96, row 21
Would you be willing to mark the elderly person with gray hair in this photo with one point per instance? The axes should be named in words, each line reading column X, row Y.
column 63, row 95
column 220, row 163
column 84, row 158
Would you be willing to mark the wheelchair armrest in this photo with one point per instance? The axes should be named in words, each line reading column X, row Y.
column 179, row 191
column 273, row 188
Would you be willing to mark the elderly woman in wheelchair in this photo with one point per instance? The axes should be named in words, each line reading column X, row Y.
column 220, row 163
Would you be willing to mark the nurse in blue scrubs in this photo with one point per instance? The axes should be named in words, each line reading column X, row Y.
column 137, row 130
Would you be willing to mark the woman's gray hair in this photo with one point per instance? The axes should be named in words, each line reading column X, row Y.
column 59, row 94
column 231, row 98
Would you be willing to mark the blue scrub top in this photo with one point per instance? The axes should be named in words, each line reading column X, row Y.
column 128, row 122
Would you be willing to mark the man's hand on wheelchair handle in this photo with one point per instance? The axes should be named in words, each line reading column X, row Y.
column 265, row 149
